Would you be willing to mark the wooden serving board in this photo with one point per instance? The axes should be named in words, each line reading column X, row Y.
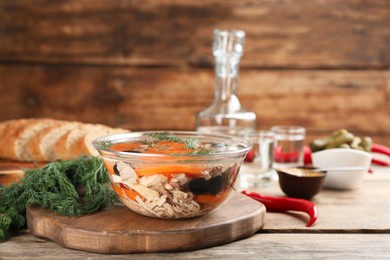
column 11, row 172
column 120, row 230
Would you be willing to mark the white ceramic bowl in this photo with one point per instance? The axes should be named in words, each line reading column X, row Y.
column 340, row 157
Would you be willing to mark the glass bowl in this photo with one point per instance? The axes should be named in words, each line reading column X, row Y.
column 173, row 174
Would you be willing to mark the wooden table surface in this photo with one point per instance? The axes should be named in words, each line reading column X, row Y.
column 351, row 225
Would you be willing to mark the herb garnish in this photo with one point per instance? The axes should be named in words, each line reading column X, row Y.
column 56, row 187
column 191, row 143
column 104, row 144
column 166, row 136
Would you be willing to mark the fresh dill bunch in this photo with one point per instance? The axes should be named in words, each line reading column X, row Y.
column 70, row 188
column 12, row 214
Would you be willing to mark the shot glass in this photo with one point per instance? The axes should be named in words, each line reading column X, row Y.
column 288, row 146
column 258, row 172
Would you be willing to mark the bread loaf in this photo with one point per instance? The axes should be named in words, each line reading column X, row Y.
column 71, row 145
column 15, row 135
column 41, row 145
column 84, row 144
column 44, row 140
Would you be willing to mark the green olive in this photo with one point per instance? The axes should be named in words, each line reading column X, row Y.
column 355, row 144
column 338, row 138
column 342, row 139
column 366, row 143
column 318, row 145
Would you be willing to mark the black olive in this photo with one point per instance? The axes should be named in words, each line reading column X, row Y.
column 218, row 183
column 199, row 186
column 116, row 169
column 131, row 151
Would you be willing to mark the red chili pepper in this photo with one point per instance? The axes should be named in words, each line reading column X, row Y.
column 282, row 204
column 250, row 156
column 380, row 162
column 307, row 155
column 379, row 148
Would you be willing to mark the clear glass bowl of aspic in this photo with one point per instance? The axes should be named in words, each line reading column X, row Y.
column 172, row 175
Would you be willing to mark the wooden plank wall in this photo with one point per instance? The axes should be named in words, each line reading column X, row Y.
column 148, row 64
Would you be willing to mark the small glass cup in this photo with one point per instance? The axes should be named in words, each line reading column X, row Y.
column 288, row 146
column 258, row 172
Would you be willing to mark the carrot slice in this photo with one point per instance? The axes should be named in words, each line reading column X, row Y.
column 131, row 194
column 208, row 199
column 170, row 169
column 118, row 190
column 157, row 147
column 125, row 192
column 126, row 146
column 109, row 166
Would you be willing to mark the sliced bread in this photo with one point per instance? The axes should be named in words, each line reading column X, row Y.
column 9, row 131
column 44, row 140
column 84, row 144
column 66, row 149
column 16, row 135
column 41, row 146
column 63, row 144
column 78, row 147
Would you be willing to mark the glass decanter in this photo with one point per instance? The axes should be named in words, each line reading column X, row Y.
column 225, row 114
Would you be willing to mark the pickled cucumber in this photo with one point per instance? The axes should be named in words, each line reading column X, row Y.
column 342, row 139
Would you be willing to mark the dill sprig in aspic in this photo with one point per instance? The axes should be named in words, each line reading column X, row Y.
column 190, row 142
column 70, row 188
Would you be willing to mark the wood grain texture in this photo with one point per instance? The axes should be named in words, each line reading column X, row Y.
column 12, row 171
column 120, row 230
column 364, row 210
column 9, row 176
column 147, row 65
column 147, row 98
column 265, row 246
column 358, row 214
column 288, row 34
